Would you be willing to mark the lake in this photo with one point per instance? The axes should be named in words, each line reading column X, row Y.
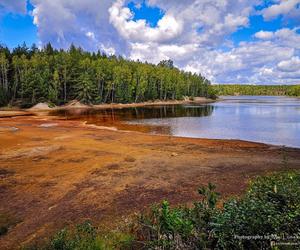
column 267, row 119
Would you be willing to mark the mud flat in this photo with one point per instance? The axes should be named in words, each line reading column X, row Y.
column 51, row 176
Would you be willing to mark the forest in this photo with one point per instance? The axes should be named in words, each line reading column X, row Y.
column 32, row 75
column 272, row 90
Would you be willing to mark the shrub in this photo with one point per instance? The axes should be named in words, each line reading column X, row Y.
column 86, row 237
column 165, row 227
column 83, row 237
column 179, row 228
column 269, row 212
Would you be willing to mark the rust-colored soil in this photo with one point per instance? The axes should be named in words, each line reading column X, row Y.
column 55, row 172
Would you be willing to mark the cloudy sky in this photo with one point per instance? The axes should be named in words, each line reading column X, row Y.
column 228, row 41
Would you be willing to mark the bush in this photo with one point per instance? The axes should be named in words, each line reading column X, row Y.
column 86, row 237
column 270, row 209
column 268, row 213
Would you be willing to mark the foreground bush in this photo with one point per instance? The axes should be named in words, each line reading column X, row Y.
column 270, row 209
column 266, row 217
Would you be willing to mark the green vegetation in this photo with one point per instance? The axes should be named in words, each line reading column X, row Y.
column 86, row 237
column 267, row 216
column 275, row 90
column 29, row 76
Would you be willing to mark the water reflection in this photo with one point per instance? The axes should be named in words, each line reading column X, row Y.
column 121, row 118
column 128, row 114
column 274, row 120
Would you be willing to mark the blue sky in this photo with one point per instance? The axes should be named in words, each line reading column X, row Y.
column 227, row 41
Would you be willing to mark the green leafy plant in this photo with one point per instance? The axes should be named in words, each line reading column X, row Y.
column 269, row 212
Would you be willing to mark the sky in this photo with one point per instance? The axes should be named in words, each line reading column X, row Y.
column 227, row 41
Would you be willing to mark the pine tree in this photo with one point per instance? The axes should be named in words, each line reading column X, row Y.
column 85, row 89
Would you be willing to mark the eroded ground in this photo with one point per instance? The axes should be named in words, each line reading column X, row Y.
column 55, row 172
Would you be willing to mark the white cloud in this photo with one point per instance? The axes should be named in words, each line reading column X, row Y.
column 283, row 7
column 84, row 23
column 154, row 52
column 291, row 65
column 195, row 34
column 251, row 62
column 108, row 50
column 90, row 35
column 14, row 6
column 167, row 28
column 284, row 37
column 264, row 35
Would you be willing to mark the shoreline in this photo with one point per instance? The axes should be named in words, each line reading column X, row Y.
column 40, row 112
column 10, row 112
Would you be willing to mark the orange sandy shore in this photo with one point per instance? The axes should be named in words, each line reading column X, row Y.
column 54, row 172
column 10, row 112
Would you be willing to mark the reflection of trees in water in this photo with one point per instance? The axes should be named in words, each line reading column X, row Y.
column 172, row 112
column 111, row 115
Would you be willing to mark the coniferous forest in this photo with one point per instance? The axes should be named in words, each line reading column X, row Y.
column 31, row 75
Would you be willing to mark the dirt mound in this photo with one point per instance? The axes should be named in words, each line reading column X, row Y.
column 40, row 106
column 202, row 100
column 76, row 104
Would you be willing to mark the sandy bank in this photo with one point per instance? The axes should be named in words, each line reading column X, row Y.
column 199, row 100
column 72, row 172
column 44, row 107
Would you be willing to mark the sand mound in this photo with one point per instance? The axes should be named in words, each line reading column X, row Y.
column 76, row 104
column 40, row 106
column 202, row 100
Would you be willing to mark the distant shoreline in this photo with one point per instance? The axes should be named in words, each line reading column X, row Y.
column 198, row 100
column 10, row 112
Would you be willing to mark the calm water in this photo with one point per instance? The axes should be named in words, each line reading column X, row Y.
column 274, row 120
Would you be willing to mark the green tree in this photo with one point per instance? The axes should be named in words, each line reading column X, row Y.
column 4, row 66
column 54, row 88
column 85, row 89
column 31, row 75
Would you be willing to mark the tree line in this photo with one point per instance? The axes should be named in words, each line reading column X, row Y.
column 32, row 75
column 272, row 90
